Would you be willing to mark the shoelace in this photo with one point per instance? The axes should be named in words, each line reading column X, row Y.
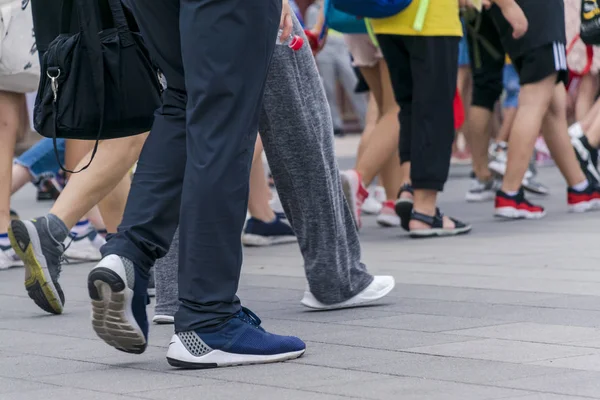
column 249, row 317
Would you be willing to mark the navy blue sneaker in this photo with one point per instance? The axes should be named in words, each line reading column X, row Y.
column 119, row 298
column 259, row 233
column 239, row 341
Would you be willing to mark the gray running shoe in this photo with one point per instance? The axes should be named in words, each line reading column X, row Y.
column 483, row 191
column 41, row 255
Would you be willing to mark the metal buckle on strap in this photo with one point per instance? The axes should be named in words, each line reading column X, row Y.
column 54, row 73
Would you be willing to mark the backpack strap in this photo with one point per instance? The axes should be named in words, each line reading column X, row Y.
column 420, row 17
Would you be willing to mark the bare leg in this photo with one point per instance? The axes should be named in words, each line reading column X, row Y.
column 557, row 140
column 508, row 119
column 11, row 105
column 112, row 206
column 588, row 89
column 113, row 160
column 260, row 194
column 383, row 143
column 370, row 123
column 478, row 137
column 20, row 177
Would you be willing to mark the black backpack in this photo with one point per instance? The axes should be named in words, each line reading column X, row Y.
column 96, row 84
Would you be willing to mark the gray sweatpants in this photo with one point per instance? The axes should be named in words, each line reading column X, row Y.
column 297, row 133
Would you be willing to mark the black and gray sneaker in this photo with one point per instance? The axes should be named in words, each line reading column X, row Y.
column 41, row 255
column 587, row 157
column 482, row 190
column 534, row 186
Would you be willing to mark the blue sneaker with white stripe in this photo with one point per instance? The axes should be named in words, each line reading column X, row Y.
column 239, row 341
column 119, row 297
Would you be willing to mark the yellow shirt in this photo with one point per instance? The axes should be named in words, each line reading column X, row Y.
column 441, row 20
column 507, row 60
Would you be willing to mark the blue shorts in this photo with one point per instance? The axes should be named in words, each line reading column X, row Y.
column 40, row 159
column 463, row 49
column 512, row 86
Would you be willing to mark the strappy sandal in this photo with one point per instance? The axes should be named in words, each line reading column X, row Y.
column 404, row 206
column 436, row 224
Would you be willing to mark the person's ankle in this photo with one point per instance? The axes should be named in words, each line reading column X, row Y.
column 57, row 228
column 265, row 216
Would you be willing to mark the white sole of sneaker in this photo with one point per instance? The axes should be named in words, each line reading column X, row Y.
column 479, row 197
column 112, row 317
column 261, row 241
column 500, row 169
column 359, row 300
column 163, row 319
column 585, row 206
column 388, row 221
column 178, row 356
column 511, row 213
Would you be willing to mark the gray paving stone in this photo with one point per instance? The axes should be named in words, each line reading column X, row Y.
column 576, row 383
column 413, row 388
column 386, row 339
column 121, row 380
column 504, row 350
column 31, row 366
column 64, row 393
column 10, row 386
column 532, row 332
column 585, row 363
column 288, row 375
column 238, row 391
column 423, row 323
column 455, row 369
column 545, row 396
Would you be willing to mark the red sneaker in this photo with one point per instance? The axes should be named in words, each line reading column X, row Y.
column 516, row 207
column 586, row 200
column 355, row 193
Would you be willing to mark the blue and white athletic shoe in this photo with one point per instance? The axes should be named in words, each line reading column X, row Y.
column 239, row 341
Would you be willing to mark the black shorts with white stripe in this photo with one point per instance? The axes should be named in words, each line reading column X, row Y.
column 541, row 62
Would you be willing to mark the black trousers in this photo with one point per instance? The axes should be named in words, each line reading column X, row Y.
column 195, row 165
column 423, row 72
column 487, row 60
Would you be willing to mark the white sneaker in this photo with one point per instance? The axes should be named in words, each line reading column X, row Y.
column 388, row 217
column 163, row 319
column 85, row 248
column 380, row 287
column 371, row 206
column 8, row 258
column 379, row 194
column 498, row 160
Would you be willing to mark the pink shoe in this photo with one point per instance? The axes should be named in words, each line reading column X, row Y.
column 355, row 193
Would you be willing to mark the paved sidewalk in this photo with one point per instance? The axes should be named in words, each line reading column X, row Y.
column 509, row 312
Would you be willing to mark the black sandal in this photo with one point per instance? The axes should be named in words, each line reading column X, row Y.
column 404, row 206
column 437, row 226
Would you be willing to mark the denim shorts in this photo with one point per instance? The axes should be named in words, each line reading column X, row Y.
column 40, row 159
column 512, row 87
column 463, row 49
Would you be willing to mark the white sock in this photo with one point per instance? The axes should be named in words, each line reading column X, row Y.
column 4, row 242
column 581, row 186
column 512, row 193
column 81, row 229
column 575, row 130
